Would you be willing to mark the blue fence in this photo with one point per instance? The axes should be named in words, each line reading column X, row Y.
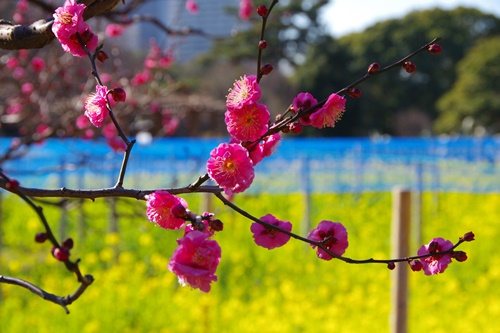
column 313, row 165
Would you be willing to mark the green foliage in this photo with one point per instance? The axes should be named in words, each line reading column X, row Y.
column 475, row 92
column 389, row 97
column 284, row 290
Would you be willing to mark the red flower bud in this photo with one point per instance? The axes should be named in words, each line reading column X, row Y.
column 434, row 49
column 216, row 225
column 12, row 185
column 102, row 56
column 373, row 68
column 41, row 237
column 409, row 67
column 433, row 247
column 179, row 211
column 295, row 128
column 391, row 265
column 468, row 237
column 460, row 256
column 262, row 44
column 68, row 243
column 60, row 253
column 118, row 94
column 262, row 11
column 354, row 92
column 266, row 69
column 415, row 265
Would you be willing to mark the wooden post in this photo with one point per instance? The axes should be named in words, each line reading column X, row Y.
column 401, row 213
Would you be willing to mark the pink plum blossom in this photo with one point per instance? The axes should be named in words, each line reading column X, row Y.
column 438, row 263
column 38, row 64
column 248, row 123
column 330, row 113
column 195, row 260
column 231, row 167
column 246, row 90
column 68, row 22
column 246, row 9
column 265, row 148
column 192, row 7
column 159, row 206
column 141, row 78
column 270, row 238
column 114, row 30
column 96, row 108
column 335, row 235
column 304, row 101
column 117, row 144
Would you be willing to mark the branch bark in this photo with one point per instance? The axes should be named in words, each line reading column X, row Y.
column 39, row 33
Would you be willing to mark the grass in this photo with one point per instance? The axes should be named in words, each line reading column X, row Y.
column 284, row 290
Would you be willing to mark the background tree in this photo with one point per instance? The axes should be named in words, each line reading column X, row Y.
column 476, row 91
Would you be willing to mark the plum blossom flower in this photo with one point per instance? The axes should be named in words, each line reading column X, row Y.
column 330, row 113
column 68, row 22
column 265, row 148
column 115, row 30
column 248, row 123
column 246, row 9
column 334, row 236
column 304, row 101
column 141, row 78
column 96, row 108
column 38, row 64
column 270, row 238
column 437, row 263
column 159, row 206
column 192, row 7
column 246, row 90
column 195, row 260
column 231, row 167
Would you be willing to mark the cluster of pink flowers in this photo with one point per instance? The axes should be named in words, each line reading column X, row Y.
column 231, row 165
column 196, row 257
column 71, row 30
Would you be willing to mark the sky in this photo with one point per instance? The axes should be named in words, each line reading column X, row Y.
column 347, row 16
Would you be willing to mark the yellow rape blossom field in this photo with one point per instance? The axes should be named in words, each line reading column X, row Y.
column 283, row 290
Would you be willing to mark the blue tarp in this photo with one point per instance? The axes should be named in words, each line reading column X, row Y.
column 315, row 165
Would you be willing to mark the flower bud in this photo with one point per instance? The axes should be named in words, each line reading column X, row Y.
column 434, row 49
column 216, row 225
column 68, row 243
column 262, row 11
column 295, row 128
column 12, row 185
column 433, row 247
column 415, row 265
column 468, row 237
column 179, row 211
column 41, row 237
column 266, row 69
column 354, row 92
column 373, row 68
column 102, row 56
column 460, row 256
column 409, row 67
column 118, row 94
column 60, row 253
column 391, row 265
column 262, row 44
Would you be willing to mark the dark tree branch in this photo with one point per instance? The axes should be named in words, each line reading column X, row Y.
column 60, row 300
